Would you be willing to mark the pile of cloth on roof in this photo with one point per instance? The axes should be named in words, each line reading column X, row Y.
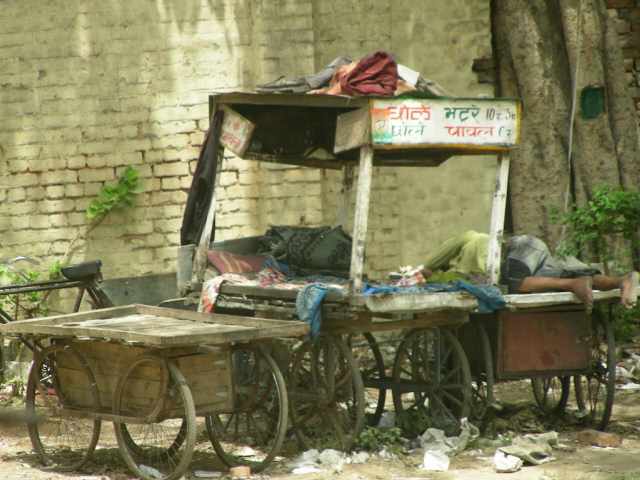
column 376, row 74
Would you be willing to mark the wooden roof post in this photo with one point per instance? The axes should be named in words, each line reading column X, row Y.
column 496, row 227
column 342, row 214
column 200, row 258
column 361, row 218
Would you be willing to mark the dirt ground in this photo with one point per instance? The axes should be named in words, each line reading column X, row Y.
column 573, row 461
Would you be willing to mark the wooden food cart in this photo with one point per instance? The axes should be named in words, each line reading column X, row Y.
column 151, row 371
column 431, row 369
column 363, row 133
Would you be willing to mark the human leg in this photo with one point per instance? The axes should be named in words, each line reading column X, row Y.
column 448, row 251
column 581, row 286
column 628, row 285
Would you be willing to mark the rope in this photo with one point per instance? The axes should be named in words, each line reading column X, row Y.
column 571, row 119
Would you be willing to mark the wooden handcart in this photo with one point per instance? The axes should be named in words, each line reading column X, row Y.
column 363, row 133
column 151, row 371
column 431, row 370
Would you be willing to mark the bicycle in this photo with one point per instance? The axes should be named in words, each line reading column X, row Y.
column 86, row 277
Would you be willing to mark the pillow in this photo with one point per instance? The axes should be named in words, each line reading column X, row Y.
column 231, row 263
column 317, row 248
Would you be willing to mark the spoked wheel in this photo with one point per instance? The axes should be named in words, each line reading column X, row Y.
column 595, row 390
column 432, row 379
column 326, row 395
column 159, row 440
column 475, row 341
column 252, row 433
column 1, row 360
column 551, row 393
column 60, row 385
column 369, row 360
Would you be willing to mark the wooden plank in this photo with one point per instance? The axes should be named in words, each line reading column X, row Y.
column 291, row 99
column 361, row 218
column 421, row 302
column 171, row 327
column 496, row 225
column 17, row 327
column 277, row 293
column 533, row 300
column 451, row 317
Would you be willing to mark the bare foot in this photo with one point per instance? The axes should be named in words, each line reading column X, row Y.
column 583, row 287
column 628, row 289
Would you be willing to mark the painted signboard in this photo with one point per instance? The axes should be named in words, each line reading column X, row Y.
column 236, row 131
column 444, row 121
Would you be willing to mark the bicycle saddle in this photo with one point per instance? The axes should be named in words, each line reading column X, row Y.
column 80, row 270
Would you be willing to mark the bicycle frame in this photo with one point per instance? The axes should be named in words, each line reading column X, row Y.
column 88, row 285
column 85, row 282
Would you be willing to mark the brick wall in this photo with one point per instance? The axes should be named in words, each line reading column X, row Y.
column 89, row 88
column 628, row 13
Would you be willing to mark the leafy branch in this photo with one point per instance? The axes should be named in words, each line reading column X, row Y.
column 109, row 198
column 609, row 212
column 118, row 196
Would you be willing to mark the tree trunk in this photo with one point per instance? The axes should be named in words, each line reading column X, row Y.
column 547, row 53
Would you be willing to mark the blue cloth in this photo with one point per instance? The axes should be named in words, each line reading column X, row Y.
column 489, row 297
column 309, row 303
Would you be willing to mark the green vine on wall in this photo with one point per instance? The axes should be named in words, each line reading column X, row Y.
column 110, row 197
column 118, row 196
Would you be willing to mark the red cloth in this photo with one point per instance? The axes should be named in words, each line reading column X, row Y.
column 229, row 263
column 376, row 75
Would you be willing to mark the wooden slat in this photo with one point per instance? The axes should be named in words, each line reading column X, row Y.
column 158, row 326
column 421, row 302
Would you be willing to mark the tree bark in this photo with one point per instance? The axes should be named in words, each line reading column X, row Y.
column 547, row 52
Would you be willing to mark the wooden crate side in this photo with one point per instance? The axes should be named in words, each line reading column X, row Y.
column 70, row 383
column 209, row 377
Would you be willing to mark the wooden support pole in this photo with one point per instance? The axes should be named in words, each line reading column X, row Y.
column 496, row 227
column 342, row 214
column 361, row 218
column 200, row 257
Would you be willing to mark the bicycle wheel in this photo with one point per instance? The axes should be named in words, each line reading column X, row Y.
column 252, row 433
column 432, row 381
column 595, row 391
column 326, row 395
column 369, row 360
column 61, row 385
column 551, row 393
column 2, row 360
column 158, row 443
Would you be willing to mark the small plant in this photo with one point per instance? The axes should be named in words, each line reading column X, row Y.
column 413, row 422
column 609, row 212
column 119, row 195
column 17, row 387
column 625, row 324
column 55, row 270
column 374, row 440
column 22, row 305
